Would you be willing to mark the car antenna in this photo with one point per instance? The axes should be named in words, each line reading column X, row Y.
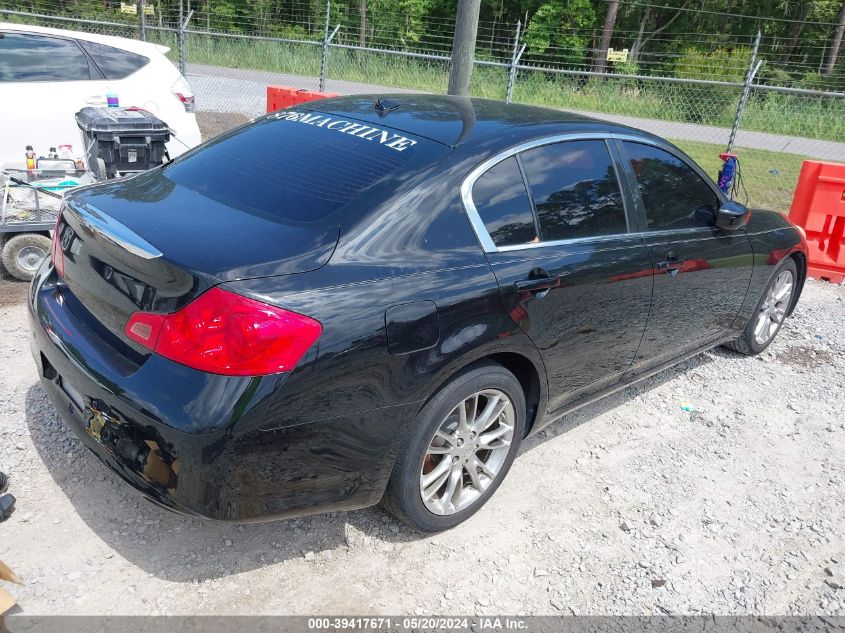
column 386, row 105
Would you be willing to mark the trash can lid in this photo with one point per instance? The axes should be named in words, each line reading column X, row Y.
column 118, row 120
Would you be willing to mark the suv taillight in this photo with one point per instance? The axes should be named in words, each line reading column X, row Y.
column 187, row 101
column 221, row 332
column 56, row 253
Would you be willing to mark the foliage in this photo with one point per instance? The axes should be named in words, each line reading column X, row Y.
column 557, row 28
column 666, row 40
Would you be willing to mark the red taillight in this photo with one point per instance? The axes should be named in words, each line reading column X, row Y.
column 56, row 252
column 224, row 333
column 187, row 101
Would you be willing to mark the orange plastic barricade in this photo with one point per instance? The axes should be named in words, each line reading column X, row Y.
column 819, row 207
column 279, row 97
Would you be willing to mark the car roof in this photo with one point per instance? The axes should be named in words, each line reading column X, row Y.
column 455, row 121
column 133, row 46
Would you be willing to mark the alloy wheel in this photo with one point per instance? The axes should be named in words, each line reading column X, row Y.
column 467, row 452
column 774, row 307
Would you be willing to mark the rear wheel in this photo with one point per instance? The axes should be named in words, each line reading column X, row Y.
column 23, row 254
column 770, row 312
column 459, row 449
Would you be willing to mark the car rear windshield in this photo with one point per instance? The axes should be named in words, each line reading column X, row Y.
column 294, row 166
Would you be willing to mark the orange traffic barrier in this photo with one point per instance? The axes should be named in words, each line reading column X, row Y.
column 279, row 97
column 819, row 208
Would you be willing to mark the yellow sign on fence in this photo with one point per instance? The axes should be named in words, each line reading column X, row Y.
column 131, row 7
column 617, row 56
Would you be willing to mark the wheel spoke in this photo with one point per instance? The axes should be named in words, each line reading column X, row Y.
column 773, row 326
column 491, row 412
column 761, row 326
column 431, row 490
column 462, row 418
column 477, row 463
column 441, row 468
column 474, row 413
column 453, row 488
column 487, row 439
column 448, row 443
column 472, row 471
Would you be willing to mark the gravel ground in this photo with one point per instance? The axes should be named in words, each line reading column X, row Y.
column 630, row 506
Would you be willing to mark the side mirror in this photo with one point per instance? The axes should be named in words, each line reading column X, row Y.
column 732, row 215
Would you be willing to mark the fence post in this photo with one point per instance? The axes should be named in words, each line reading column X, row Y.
column 183, row 24
column 142, row 20
column 325, row 58
column 753, row 67
column 517, row 54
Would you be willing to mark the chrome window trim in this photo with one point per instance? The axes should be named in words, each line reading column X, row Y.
column 470, row 179
column 575, row 240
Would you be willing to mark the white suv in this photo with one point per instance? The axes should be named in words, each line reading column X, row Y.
column 48, row 75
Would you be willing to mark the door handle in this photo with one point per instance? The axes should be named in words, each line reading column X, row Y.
column 538, row 284
column 671, row 266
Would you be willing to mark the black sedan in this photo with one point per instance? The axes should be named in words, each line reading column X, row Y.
column 363, row 300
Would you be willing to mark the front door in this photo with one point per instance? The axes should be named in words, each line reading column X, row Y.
column 701, row 272
column 572, row 275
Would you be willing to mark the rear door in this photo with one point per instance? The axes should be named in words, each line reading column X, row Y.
column 574, row 277
column 701, row 272
column 44, row 81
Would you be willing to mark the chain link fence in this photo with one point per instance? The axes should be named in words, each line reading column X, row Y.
column 704, row 104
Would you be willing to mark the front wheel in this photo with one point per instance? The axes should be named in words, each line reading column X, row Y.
column 771, row 311
column 458, row 450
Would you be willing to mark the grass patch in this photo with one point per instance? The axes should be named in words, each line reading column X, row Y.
column 769, row 177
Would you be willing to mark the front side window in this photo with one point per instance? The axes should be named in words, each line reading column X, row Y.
column 25, row 57
column 114, row 62
column 674, row 195
column 501, row 200
column 575, row 190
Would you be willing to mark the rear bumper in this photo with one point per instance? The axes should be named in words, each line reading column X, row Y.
column 193, row 442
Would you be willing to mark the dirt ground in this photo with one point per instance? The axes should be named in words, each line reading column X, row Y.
column 632, row 505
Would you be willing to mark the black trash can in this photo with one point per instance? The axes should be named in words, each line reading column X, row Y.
column 121, row 140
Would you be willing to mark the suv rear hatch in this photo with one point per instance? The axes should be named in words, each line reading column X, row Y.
column 266, row 200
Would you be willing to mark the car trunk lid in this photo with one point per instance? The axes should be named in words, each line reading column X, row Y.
column 126, row 247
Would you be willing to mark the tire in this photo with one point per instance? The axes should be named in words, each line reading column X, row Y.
column 749, row 343
column 482, row 385
column 23, row 254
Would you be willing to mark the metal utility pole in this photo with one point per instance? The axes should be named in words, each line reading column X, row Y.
column 142, row 19
column 463, row 46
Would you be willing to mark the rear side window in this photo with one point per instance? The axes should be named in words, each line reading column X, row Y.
column 114, row 62
column 575, row 190
column 674, row 195
column 294, row 166
column 501, row 200
column 25, row 57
